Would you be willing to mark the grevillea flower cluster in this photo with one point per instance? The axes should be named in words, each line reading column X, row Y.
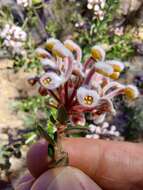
column 24, row 3
column 98, row 7
column 14, row 38
column 105, row 130
column 80, row 88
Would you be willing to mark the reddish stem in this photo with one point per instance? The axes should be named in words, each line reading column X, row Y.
column 87, row 63
column 54, row 95
column 66, row 93
column 89, row 76
column 71, row 99
column 61, row 95
column 79, row 108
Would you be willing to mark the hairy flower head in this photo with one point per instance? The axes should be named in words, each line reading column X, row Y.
column 77, row 87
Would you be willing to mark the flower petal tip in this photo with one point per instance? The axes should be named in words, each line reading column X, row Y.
column 118, row 66
column 131, row 92
column 50, row 43
column 98, row 53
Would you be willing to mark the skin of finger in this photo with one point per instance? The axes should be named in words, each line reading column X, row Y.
column 27, row 177
column 24, row 185
column 25, row 182
column 39, row 154
column 64, row 178
column 113, row 165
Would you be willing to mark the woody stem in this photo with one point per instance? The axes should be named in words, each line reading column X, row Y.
column 61, row 158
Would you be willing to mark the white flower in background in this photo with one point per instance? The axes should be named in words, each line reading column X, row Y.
column 24, row 3
column 79, row 24
column 14, row 38
column 119, row 31
column 103, row 131
column 93, row 136
column 98, row 7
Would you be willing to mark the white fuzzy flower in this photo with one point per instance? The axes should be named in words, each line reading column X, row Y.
column 98, row 130
column 24, row 3
column 113, row 128
column 87, row 98
column 89, row 6
column 98, row 8
column 105, row 125
column 117, row 134
column 89, row 136
column 92, row 128
column 119, row 31
column 102, row 131
column 13, row 37
column 95, row 136
column 51, row 80
column 99, row 118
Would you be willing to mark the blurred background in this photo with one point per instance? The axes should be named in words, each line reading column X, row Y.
column 117, row 25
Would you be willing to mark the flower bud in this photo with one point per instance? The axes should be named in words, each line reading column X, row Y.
column 59, row 50
column 104, row 69
column 131, row 92
column 70, row 45
column 50, row 43
column 73, row 47
column 42, row 53
column 115, row 75
column 99, row 118
column 98, row 53
column 117, row 65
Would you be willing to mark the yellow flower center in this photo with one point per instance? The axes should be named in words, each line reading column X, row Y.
column 47, row 80
column 96, row 54
column 88, row 100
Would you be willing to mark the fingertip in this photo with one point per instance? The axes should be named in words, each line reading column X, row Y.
column 25, row 186
column 25, row 183
column 64, row 178
column 37, row 158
